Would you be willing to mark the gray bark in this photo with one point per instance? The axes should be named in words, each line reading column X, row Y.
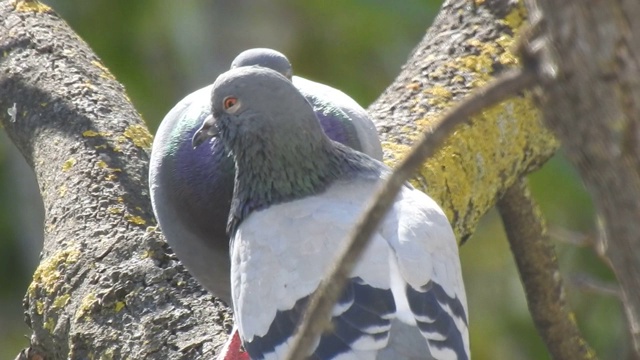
column 106, row 286
column 589, row 55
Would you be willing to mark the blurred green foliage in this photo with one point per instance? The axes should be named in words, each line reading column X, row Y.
column 162, row 50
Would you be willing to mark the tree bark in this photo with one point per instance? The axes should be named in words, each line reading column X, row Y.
column 106, row 286
column 468, row 44
column 589, row 53
column 109, row 287
column 537, row 264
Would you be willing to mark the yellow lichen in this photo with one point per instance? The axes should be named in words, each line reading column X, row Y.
column 107, row 355
column 395, row 150
column 49, row 324
column 85, row 306
column 516, row 17
column 39, row 307
column 62, row 190
column 92, row 133
column 67, row 165
column 89, row 85
column 111, row 177
column 48, row 274
column 115, row 210
column 61, row 301
column 101, row 164
column 134, row 219
column 479, row 153
column 463, row 175
column 30, row 5
column 119, row 306
column 440, row 96
column 105, row 71
column 139, row 135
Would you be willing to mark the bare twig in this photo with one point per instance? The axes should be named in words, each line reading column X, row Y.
column 588, row 283
column 597, row 242
column 574, row 238
column 536, row 261
column 317, row 315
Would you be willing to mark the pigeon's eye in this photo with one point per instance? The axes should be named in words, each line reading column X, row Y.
column 229, row 102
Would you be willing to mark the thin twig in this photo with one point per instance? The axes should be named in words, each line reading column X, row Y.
column 588, row 283
column 317, row 315
column 537, row 264
column 571, row 237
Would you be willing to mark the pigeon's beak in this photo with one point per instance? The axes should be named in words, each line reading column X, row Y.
column 206, row 131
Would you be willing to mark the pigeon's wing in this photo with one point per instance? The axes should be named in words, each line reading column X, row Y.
column 429, row 287
column 279, row 255
column 342, row 118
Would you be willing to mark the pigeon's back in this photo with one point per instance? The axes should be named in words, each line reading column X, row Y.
column 404, row 300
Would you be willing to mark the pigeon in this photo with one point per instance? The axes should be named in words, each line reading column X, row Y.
column 191, row 188
column 342, row 118
column 297, row 195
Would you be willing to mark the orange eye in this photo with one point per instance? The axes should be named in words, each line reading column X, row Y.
column 229, row 101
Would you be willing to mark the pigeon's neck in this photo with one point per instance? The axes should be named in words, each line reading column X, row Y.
column 200, row 183
column 269, row 175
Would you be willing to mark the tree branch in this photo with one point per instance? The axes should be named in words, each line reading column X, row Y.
column 481, row 159
column 593, row 105
column 540, row 275
column 106, row 287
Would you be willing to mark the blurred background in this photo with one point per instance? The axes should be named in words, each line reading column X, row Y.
column 162, row 50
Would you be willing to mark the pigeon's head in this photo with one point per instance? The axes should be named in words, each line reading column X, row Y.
column 264, row 57
column 257, row 109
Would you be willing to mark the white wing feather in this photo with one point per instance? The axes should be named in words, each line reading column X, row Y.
column 280, row 254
